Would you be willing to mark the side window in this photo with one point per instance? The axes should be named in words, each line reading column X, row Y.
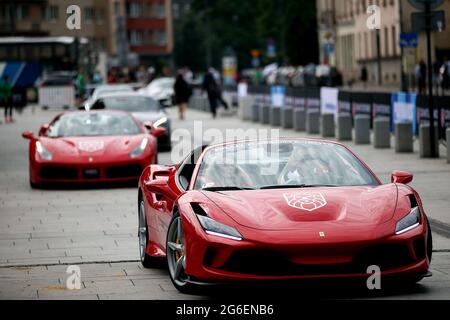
column 98, row 105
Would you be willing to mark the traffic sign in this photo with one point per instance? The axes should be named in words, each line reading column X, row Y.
column 420, row 4
column 409, row 40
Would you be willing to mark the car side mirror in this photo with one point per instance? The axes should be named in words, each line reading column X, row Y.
column 29, row 135
column 402, row 177
column 43, row 129
column 158, row 132
column 160, row 187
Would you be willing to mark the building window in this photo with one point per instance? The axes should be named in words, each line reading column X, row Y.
column 51, row 13
column 160, row 10
column 22, row 12
column 136, row 37
column 135, row 10
column 100, row 16
column 161, row 38
column 89, row 14
column 176, row 11
column 116, row 8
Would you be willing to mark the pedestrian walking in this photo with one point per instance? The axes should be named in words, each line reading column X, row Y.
column 182, row 94
column 6, row 98
column 210, row 86
column 364, row 75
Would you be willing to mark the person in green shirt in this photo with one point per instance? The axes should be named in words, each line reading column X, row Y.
column 6, row 98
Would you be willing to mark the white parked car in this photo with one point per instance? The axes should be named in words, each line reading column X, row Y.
column 160, row 89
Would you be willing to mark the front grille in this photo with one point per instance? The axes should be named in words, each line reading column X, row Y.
column 123, row 171
column 269, row 263
column 53, row 172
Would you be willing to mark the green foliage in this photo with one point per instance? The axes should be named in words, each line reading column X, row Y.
column 243, row 25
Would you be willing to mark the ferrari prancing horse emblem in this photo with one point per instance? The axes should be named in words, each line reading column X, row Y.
column 308, row 201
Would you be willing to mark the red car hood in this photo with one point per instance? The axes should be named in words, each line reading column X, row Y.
column 290, row 209
column 92, row 146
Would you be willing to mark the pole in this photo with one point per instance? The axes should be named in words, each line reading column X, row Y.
column 379, row 57
column 430, row 80
column 208, row 35
column 404, row 82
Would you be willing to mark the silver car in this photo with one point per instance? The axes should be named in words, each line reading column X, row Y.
column 145, row 109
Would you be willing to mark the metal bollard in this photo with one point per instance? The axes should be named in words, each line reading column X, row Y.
column 404, row 138
column 362, row 129
column 424, row 140
column 245, row 108
column 287, row 118
column 327, row 126
column 255, row 112
column 312, row 121
column 447, row 135
column 275, row 116
column 344, row 127
column 264, row 115
column 299, row 119
column 382, row 133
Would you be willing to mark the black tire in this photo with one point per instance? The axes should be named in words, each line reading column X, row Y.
column 147, row 261
column 180, row 282
column 429, row 242
column 33, row 185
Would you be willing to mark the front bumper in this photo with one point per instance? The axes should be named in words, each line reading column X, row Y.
column 60, row 172
column 212, row 259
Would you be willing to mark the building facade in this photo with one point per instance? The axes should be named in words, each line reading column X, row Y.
column 115, row 27
column 348, row 43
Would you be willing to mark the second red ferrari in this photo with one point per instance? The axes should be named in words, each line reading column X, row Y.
column 98, row 146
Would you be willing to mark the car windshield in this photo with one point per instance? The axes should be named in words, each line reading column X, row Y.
column 131, row 104
column 93, row 124
column 285, row 164
column 111, row 89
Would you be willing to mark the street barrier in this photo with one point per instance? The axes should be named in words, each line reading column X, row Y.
column 264, row 115
column 312, row 121
column 255, row 112
column 287, row 117
column 424, row 141
column 404, row 137
column 447, row 134
column 299, row 119
column 245, row 107
column 275, row 116
column 56, row 97
column 327, row 126
column 382, row 133
column 344, row 127
column 362, row 129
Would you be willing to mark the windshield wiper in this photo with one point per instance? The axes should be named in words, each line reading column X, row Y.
column 298, row 186
column 232, row 188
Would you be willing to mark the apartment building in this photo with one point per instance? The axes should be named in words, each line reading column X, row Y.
column 347, row 43
column 116, row 27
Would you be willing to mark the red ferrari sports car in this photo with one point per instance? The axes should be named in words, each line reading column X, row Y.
column 100, row 146
column 276, row 210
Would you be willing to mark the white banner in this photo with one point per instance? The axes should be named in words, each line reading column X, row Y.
column 329, row 100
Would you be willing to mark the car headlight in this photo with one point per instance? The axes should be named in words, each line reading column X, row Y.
column 160, row 122
column 411, row 221
column 43, row 153
column 140, row 148
column 215, row 228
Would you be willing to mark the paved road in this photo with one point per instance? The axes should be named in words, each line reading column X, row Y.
column 43, row 231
